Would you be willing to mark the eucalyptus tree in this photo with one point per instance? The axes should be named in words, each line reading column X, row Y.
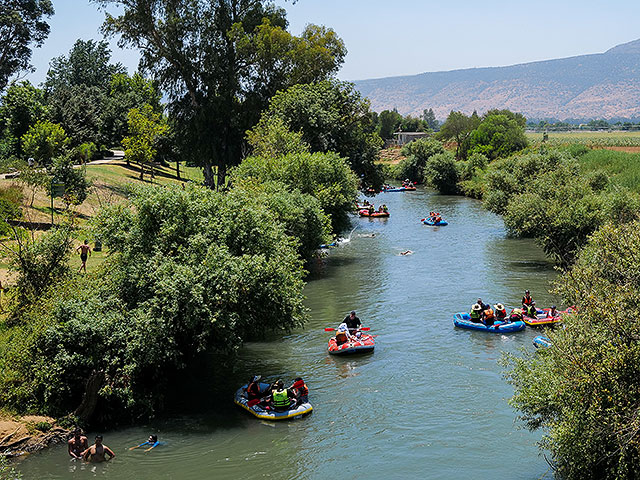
column 219, row 62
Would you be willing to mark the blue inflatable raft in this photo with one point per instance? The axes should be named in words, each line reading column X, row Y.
column 396, row 189
column 431, row 223
column 329, row 245
column 241, row 400
column 463, row 320
column 542, row 342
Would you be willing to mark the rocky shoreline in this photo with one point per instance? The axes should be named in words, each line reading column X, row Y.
column 20, row 436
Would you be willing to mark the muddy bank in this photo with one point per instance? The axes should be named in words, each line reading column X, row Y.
column 19, row 436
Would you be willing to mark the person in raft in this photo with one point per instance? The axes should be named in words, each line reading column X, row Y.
column 516, row 315
column 352, row 321
column 85, row 252
column 152, row 441
column 483, row 306
column 371, row 209
column 281, row 397
column 476, row 313
column 528, row 304
column 501, row 312
column 77, row 444
column 384, row 208
column 96, row 453
column 553, row 312
column 301, row 391
column 342, row 334
column 254, row 394
column 488, row 317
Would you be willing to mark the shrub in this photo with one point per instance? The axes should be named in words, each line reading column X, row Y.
column 441, row 173
column 416, row 154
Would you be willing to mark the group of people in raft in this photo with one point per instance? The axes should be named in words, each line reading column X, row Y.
column 434, row 217
column 278, row 398
column 372, row 209
column 483, row 313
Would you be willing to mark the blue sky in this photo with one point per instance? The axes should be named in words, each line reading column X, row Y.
column 402, row 37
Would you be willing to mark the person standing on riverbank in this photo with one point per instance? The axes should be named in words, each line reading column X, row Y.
column 77, row 444
column 85, row 252
column 97, row 452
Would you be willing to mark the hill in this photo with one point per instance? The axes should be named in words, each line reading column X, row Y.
column 602, row 86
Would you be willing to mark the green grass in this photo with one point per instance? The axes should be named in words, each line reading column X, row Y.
column 121, row 174
column 623, row 168
column 591, row 139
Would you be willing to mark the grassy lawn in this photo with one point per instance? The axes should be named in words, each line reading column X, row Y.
column 110, row 184
column 592, row 139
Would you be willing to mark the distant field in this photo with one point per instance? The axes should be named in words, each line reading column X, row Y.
column 627, row 141
column 623, row 168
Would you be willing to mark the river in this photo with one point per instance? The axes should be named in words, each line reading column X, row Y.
column 430, row 402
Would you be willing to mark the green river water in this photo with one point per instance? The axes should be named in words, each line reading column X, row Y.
column 430, row 402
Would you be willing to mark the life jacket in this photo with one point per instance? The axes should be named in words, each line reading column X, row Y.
column 488, row 314
column 475, row 315
column 280, row 398
column 253, row 390
column 501, row 313
column 527, row 300
column 341, row 337
column 515, row 317
column 531, row 311
column 301, row 387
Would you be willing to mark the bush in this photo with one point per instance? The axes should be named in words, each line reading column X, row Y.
column 416, row 154
column 584, row 392
column 441, row 173
column 44, row 141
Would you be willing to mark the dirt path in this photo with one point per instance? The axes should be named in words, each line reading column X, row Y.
column 29, row 434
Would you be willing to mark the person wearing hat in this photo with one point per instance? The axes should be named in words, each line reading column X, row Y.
column 516, row 315
column 483, row 306
column 501, row 312
column 476, row 312
column 352, row 321
column 553, row 312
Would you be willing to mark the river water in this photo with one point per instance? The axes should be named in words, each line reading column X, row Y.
column 430, row 402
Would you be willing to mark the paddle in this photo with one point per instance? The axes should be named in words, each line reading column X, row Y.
column 329, row 329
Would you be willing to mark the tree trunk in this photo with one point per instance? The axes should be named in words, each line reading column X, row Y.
column 178, row 169
column 222, row 176
column 141, row 170
column 209, row 179
column 90, row 397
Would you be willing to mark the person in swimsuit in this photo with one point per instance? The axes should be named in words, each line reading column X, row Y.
column 153, row 442
column 96, row 452
column 85, row 252
column 77, row 444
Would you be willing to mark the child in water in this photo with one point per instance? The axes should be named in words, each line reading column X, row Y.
column 153, row 441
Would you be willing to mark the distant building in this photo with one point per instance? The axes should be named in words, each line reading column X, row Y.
column 402, row 138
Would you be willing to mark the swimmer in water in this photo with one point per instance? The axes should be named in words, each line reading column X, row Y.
column 153, row 441
column 408, row 252
column 96, row 452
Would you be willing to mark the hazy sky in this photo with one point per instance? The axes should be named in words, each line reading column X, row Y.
column 402, row 37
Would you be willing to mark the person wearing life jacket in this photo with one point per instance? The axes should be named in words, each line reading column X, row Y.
column 384, row 208
column 483, row 306
column 527, row 301
column 516, row 315
column 500, row 312
column 371, row 209
column 281, row 397
column 254, row 394
column 342, row 334
column 301, row 390
column 476, row 313
column 380, row 209
column 552, row 313
column 488, row 317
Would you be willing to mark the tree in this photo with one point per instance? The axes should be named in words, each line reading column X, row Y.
column 145, row 126
column 498, row 135
column 272, row 138
column 34, row 178
column 416, row 154
column 430, row 119
column 458, row 127
column 332, row 117
column 76, row 185
column 442, row 174
column 584, row 391
column 22, row 25
column 388, row 123
column 43, row 141
column 219, row 63
column 21, row 107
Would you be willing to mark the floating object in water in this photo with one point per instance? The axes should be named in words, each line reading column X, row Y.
column 463, row 320
column 542, row 342
column 264, row 414
column 365, row 213
column 364, row 344
column 431, row 223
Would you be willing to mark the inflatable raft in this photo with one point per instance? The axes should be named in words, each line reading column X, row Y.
column 410, row 189
column 542, row 342
column 365, row 213
column 395, row 189
column 542, row 318
column 329, row 245
column 463, row 320
column 431, row 223
column 260, row 412
column 365, row 344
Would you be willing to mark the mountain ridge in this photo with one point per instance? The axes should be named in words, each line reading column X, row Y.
column 599, row 85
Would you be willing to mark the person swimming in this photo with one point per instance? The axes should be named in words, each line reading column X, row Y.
column 153, row 441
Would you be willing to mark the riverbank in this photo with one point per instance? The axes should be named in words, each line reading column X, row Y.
column 22, row 435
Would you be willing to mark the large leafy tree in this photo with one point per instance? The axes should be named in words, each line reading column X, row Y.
column 219, row 62
column 332, row 117
column 145, row 126
column 20, row 108
column 498, row 135
column 22, row 25
column 458, row 127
